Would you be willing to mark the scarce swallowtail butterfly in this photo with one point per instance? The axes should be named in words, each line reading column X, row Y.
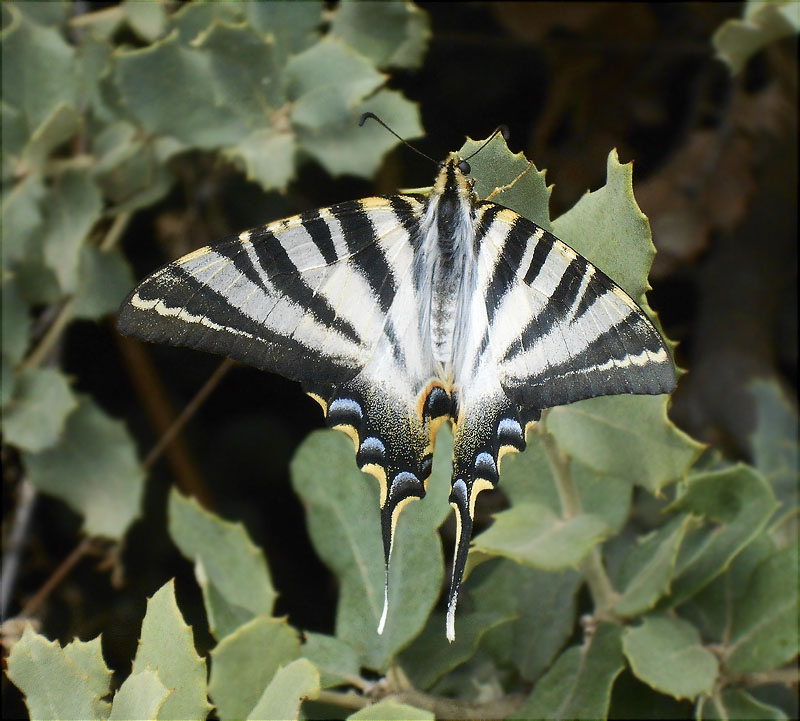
column 400, row 312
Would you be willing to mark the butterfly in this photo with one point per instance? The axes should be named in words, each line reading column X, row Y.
column 401, row 312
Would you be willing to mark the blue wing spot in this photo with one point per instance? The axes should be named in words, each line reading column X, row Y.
column 485, row 467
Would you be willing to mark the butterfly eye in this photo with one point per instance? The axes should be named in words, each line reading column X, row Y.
column 464, row 167
column 441, row 164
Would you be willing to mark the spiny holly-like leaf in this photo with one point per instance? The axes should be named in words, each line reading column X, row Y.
column 167, row 647
column 497, row 167
column 534, row 535
column 392, row 34
column 290, row 686
column 578, row 685
column 59, row 683
column 141, row 696
column 666, row 654
column 232, row 571
column 246, row 660
column 35, row 415
column 736, row 41
column 94, row 468
column 607, row 227
column 343, row 520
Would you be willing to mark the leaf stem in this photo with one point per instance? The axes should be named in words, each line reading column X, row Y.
column 600, row 586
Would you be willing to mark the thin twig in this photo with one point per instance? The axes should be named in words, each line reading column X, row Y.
column 189, row 410
column 23, row 513
column 81, row 550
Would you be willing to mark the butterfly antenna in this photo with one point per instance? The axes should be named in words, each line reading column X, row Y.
column 366, row 116
column 503, row 129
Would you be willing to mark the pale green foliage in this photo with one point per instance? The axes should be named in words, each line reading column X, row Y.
column 716, row 570
column 763, row 22
column 667, row 654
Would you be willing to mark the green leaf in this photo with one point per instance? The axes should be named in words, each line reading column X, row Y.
column 245, row 661
column 497, row 167
column 130, row 170
column 94, row 468
column 287, row 690
column 765, row 21
column 36, row 413
column 141, row 696
column 58, row 127
column 428, row 658
column 268, row 156
column 167, row 647
column 628, row 437
column 191, row 19
column 666, row 654
column 336, row 660
column 528, row 478
column 22, row 221
column 244, row 73
column 232, row 571
column 389, row 710
column 147, row 19
column 59, row 683
column 578, row 685
column 104, row 279
column 74, row 205
column 390, row 34
column 764, row 631
column 739, row 502
column 608, row 228
column 533, row 535
column 774, row 443
column 344, row 524
column 711, row 610
column 294, row 26
column 647, row 570
column 39, row 69
column 735, row 703
column 182, row 97
column 17, row 322
column 347, row 148
column 88, row 659
column 326, row 81
column 544, row 603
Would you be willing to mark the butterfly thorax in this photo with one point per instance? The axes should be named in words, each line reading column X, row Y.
column 445, row 271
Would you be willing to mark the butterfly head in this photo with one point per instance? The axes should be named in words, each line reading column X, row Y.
column 453, row 179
